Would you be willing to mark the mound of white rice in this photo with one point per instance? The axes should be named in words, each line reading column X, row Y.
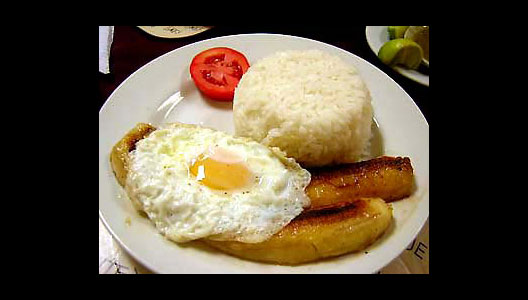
column 310, row 104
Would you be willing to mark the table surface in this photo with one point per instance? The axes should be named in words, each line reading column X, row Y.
column 132, row 48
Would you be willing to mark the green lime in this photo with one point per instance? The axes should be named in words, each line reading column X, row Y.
column 403, row 52
column 420, row 34
column 397, row 32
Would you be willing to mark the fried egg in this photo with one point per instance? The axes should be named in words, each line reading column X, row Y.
column 195, row 182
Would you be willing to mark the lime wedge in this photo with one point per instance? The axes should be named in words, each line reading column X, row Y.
column 397, row 32
column 420, row 34
column 403, row 52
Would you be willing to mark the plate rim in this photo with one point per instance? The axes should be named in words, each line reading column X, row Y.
column 419, row 225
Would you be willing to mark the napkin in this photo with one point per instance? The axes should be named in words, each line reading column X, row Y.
column 106, row 36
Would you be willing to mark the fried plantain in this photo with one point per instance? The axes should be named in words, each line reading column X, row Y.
column 389, row 178
column 119, row 158
column 326, row 231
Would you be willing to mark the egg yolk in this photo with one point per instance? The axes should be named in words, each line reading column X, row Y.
column 220, row 171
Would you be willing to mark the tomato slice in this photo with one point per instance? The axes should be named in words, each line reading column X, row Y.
column 217, row 71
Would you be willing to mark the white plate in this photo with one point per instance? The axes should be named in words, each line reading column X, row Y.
column 147, row 96
column 376, row 37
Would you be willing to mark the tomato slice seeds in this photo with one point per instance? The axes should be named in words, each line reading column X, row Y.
column 217, row 71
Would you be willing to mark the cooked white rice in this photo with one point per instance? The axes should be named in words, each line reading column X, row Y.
column 310, row 104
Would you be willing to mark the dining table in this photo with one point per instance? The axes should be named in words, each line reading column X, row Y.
column 132, row 47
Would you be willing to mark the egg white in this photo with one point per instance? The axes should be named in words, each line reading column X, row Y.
column 183, row 209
